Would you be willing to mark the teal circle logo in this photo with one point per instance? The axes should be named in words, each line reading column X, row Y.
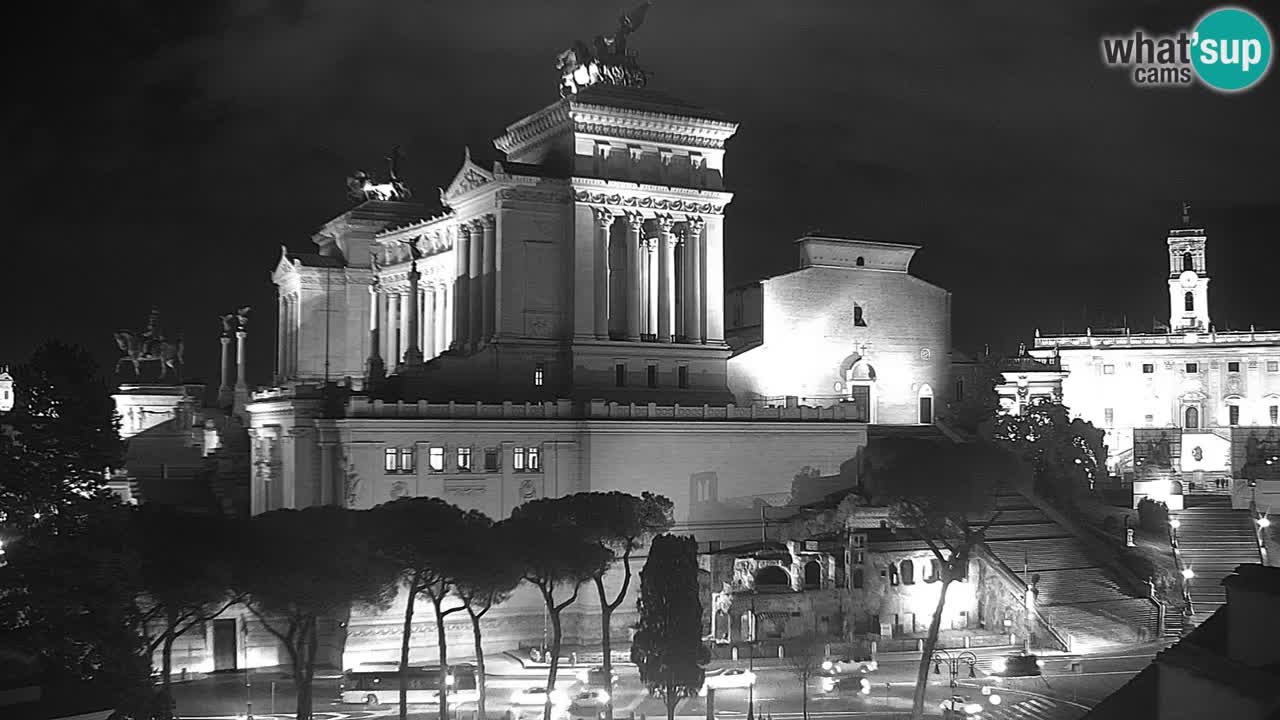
column 1231, row 49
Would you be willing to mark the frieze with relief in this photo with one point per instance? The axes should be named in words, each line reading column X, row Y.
column 649, row 203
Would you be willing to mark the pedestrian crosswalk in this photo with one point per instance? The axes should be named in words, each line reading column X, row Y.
column 1031, row 709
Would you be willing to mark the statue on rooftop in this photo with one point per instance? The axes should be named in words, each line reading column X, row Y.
column 608, row 61
column 361, row 186
column 150, row 345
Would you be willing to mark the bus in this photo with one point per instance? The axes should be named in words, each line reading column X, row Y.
column 379, row 684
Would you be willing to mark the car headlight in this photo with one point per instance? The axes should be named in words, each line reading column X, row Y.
column 999, row 665
column 1039, row 663
column 828, row 684
column 604, row 697
column 827, row 665
column 973, row 708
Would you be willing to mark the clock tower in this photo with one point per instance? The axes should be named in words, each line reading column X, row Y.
column 1188, row 277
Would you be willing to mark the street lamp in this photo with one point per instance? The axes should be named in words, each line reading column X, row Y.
column 1188, row 573
column 953, row 663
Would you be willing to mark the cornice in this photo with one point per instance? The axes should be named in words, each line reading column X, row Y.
column 534, row 128
column 657, row 198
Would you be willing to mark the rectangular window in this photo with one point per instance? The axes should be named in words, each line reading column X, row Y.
column 682, row 376
column 390, row 460
column 620, row 374
column 1108, row 369
column 517, row 459
column 533, row 456
column 1110, row 415
column 1233, row 412
column 1274, row 413
column 1273, row 366
column 491, row 460
column 537, row 375
column 858, row 557
column 435, row 459
column 1193, row 368
column 653, row 376
column 464, row 459
column 959, row 397
column 1233, row 367
column 1148, row 368
column 406, row 459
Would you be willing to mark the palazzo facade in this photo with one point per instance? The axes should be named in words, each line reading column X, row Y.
column 558, row 327
column 1180, row 406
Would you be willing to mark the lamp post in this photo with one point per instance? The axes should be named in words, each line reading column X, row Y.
column 953, row 663
column 1174, row 524
column 751, row 659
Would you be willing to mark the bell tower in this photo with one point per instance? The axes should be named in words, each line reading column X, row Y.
column 1188, row 277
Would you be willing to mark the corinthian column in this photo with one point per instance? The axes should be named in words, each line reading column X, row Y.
column 281, row 312
column 475, row 305
column 488, row 285
column 666, row 279
column 693, row 301
column 604, row 221
column 376, row 369
column 651, row 284
column 393, row 327
column 461, row 288
column 412, row 353
column 240, row 360
column 430, row 344
column 224, row 389
column 634, row 277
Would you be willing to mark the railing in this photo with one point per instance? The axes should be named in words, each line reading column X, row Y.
column 1009, row 576
column 558, row 410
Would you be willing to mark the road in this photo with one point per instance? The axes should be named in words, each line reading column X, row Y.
column 1063, row 693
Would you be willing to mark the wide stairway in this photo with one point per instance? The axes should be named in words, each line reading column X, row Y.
column 1077, row 594
column 1213, row 541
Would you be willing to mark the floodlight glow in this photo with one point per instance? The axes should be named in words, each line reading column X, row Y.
column 1264, row 522
column 1188, row 573
column 1175, row 523
column 994, row 699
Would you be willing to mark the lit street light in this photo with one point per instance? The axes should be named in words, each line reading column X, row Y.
column 1188, row 573
column 1264, row 522
column 1175, row 523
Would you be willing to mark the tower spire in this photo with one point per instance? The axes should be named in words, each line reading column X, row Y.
column 1186, row 213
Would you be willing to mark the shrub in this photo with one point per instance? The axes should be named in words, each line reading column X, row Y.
column 1153, row 515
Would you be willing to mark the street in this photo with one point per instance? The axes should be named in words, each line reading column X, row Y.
column 1062, row 693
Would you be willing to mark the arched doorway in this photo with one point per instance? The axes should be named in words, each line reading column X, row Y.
column 812, row 575
column 772, row 577
column 1192, row 416
column 925, row 401
column 861, row 383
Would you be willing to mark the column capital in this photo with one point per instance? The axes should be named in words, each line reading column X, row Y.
column 241, row 334
column 695, row 223
column 635, row 221
column 488, row 221
column 465, row 228
column 665, row 223
column 604, row 217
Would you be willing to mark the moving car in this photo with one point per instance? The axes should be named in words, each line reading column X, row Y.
column 850, row 665
column 847, row 685
column 596, row 678
column 588, row 704
column 727, row 678
column 537, row 697
column 958, row 707
column 1019, row 664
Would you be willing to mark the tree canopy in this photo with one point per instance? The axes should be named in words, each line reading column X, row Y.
column 1066, row 455
column 667, row 648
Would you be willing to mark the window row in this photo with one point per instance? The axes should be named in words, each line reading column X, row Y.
column 1191, row 368
column 402, row 459
column 620, row 375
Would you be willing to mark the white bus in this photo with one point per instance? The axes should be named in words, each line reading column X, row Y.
column 380, row 685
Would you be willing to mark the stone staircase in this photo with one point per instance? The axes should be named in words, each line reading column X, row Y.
column 1076, row 593
column 1213, row 541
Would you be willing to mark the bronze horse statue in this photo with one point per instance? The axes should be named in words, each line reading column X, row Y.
column 136, row 349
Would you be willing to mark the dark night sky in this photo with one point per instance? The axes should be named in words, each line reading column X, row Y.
column 160, row 154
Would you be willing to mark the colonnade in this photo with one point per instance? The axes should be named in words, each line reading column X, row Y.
column 392, row 309
column 287, row 335
column 659, row 293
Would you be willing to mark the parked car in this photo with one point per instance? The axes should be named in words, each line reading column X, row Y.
column 850, row 665
column 726, row 678
column 1019, row 664
column 958, row 707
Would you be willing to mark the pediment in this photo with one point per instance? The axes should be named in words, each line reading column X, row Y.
column 470, row 176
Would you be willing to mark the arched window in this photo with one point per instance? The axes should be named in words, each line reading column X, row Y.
column 860, row 261
column 1189, row 302
column 1188, row 262
column 858, row 579
column 858, row 319
column 772, row 577
column 908, row 572
column 934, row 572
column 812, row 574
column 1193, row 418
